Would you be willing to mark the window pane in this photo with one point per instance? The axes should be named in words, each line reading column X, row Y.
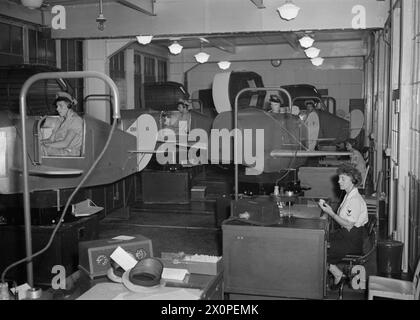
column 41, row 52
column 64, row 66
column 79, row 55
column 71, row 55
column 162, row 70
column 149, row 69
column 16, row 40
column 32, row 45
column 4, row 38
column 51, row 54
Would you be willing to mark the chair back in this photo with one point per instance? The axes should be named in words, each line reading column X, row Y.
column 363, row 184
column 370, row 240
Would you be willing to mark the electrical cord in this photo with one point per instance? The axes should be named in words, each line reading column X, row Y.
column 288, row 132
column 3, row 275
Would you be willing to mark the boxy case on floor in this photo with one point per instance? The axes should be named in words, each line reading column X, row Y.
column 63, row 250
column 94, row 256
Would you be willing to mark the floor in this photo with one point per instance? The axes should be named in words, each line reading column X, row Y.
column 191, row 229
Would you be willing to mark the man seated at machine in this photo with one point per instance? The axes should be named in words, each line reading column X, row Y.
column 277, row 105
column 178, row 120
column 310, row 106
column 67, row 133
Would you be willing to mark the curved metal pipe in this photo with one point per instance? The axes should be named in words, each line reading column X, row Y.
column 22, row 105
column 236, row 125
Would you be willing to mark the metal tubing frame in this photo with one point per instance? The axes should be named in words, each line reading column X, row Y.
column 236, row 124
column 22, row 105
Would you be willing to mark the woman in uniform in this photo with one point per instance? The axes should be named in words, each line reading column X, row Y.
column 351, row 216
column 67, row 134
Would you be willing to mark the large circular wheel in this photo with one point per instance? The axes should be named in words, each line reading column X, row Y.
column 312, row 123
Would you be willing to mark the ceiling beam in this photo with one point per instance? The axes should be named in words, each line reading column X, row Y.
column 258, row 3
column 144, row 6
column 215, row 16
column 222, row 44
column 291, row 39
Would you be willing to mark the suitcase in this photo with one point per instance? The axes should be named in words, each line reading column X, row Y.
column 63, row 250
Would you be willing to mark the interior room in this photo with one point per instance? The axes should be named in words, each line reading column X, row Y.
column 209, row 150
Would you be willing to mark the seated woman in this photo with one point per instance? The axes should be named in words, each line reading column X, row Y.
column 352, row 216
column 356, row 157
column 67, row 134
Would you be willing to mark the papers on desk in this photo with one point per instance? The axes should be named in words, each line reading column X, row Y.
column 123, row 238
column 166, row 294
column 123, row 258
column 174, row 274
column 117, row 291
column 21, row 290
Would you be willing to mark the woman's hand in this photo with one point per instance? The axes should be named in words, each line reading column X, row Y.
column 325, row 207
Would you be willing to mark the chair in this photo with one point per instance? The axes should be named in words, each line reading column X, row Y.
column 395, row 288
column 353, row 265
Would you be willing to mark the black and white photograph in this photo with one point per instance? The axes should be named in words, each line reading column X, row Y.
column 209, row 158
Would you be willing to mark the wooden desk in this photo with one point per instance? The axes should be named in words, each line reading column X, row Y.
column 287, row 259
column 204, row 287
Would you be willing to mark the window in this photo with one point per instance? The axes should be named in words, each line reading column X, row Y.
column 41, row 48
column 149, row 69
column 162, row 71
column 11, row 44
column 117, row 73
column 72, row 60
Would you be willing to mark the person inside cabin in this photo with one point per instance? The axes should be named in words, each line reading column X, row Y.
column 275, row 104
column 179, row 120
column 310, row 106
column 351, row 216
column 356, row 157
column 67, row 133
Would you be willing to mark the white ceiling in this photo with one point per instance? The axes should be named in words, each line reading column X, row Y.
column 225, row 41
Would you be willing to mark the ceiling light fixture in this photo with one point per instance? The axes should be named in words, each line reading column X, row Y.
column 306, row 42
column 312, row 52
column 144, row 39
column 32, row 4
column 201, row 57
column 317, row 61
column 175, row 48
column 288, row 11
column 224, row 65
column 101, row 18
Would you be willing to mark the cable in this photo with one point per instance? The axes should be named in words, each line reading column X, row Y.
column 287, row 131
column 288, row 169
column 3, row 275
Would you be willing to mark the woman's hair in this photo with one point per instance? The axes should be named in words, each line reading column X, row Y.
column 350, row 171
column 65, row 99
